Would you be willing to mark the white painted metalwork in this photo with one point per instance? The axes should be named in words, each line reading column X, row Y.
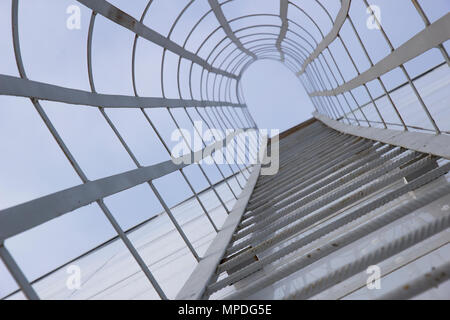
column 345, row 175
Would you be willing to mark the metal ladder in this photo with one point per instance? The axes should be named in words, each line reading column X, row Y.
column 327, row 182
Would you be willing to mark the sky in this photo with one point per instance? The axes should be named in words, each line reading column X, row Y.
column 273, row 103
column 31, row 163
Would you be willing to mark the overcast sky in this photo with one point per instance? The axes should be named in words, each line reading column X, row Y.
column 31, row 163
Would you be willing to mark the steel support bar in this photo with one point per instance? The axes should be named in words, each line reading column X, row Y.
column 432, row 279
column 407, row 241
column 356, row 177
column 330, row 37
column 217, row 9
column 315, row 167
column 284, row 4
column 125, row 20
column 330, row 227
column 317, row 187
column 17, row 274
column 195, row 286
column 305, row 217
column 33, row 213
column 384, row 252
